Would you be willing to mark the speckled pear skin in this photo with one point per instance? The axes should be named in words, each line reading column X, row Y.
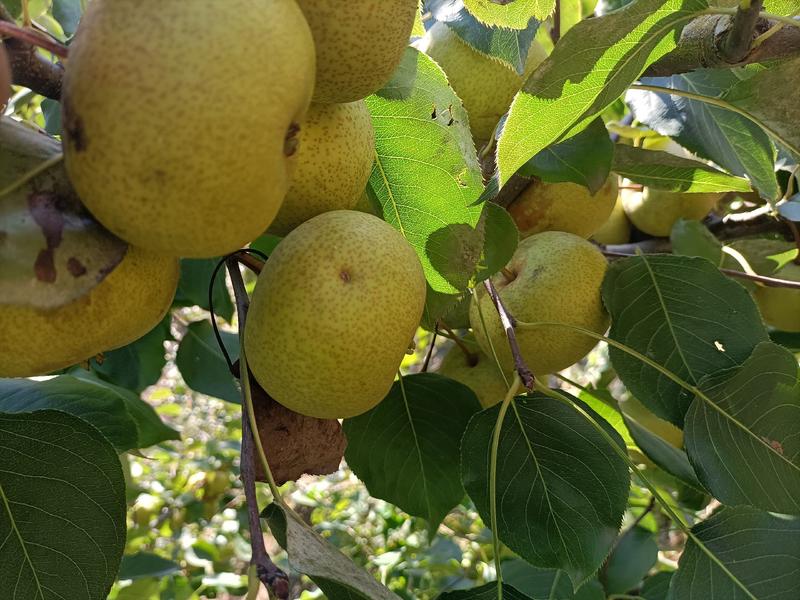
column 483, row 377
column 333, row 313
column 150, row 142
column 127, row 304
column 557, row 279
column 337, row 149
column 656, row 211
column 563, row 206
column 359, row 44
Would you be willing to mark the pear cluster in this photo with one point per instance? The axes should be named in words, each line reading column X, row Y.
column 248, row 118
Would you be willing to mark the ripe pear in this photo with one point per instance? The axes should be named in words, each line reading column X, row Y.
column 359, row 44
column 337, row 149
column 5, row 77
column 655, row 211
column 482, row 377
column 127, row 304
column 563, row 206
column 333, row 313
column 617, row 229
column 150, row 142
column 485, row 85
column 555, row 277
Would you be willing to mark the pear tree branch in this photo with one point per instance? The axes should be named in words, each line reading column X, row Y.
column 509, row 323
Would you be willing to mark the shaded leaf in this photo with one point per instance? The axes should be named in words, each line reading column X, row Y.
column 62, row 508
column 746, row 448
column 692, row 238
column 760, row 551
column 144, row 564
column 68, row 14
column 500, row 239
column 484, row 592
column 685, row 315
column 656, row 587
column 202, row 364
column 666, row 456
column 633, row 556
column 536, row 583
column 665, row 171
column 561, row 490
column 193, row 287
column 406, row 449
column 589, row 68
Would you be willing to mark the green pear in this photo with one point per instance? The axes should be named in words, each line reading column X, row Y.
column 563, row 206
column 780, row 307
column 359, row 44
column 485, row 85
column 617, row 229
column 552, row 277
column 149, row 142
column 644, row 417
column 333, row 313
column 655, row 211
column 481, row 376
column 337, row 149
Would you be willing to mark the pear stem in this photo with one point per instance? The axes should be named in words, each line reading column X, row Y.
column 428, row 356
column 472, row 357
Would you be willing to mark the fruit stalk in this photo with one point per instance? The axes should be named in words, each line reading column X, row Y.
column 509, row 323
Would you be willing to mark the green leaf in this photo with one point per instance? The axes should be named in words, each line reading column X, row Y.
column 144, row 564
column 500, row 240
column 782, row 7
column 584, row 159
column 203, row 365
column 656, row 587
column 730, row 140
column 335, row 574
column 603, row 403
column 550, row 515
column 137, row 365
column 633, row 556
column 692, row 238
column 62, row 508
column 193, row 287
column 426, row 176
column 665, row 171
column 484, row 592
column 663, row 454
column 424, row 416
column 515, row 14
column 759, row 550
column 510, row 46
column 745, row 446
column 778, row 113
column 589, row 68
column 68, row 14
column 536, row 583
column 685, row 315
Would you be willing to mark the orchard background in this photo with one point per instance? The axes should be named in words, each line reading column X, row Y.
column 513, row 456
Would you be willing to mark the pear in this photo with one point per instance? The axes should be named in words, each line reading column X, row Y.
column 333, row 313
column 359, row 44
column 617, row 229
column 563, row 206
column 485, row 85
column 127, row 304
column 552, row 277
column 644, row 417
column 149, row 141
column 655, row 211
column 482, row 377
column 5, row 77
column 337, row 149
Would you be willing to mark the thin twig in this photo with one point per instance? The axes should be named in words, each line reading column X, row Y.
column 430, row 349
column 33, row 38
column 273, row 578
column 509, row 322
column 472, row 357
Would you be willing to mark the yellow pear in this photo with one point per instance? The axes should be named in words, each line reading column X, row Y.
column 655, row 211
column 482, row 377
column 552, row 277
column 333, row 313
column 359, row 44
column 183, row 142
column 563, row 206
column 617, row 229
column 127, row 304
column 5, row 77
column 485, row 85
column 337, row 149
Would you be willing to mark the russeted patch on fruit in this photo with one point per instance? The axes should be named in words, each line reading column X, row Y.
column 359, row 44
column 149, row 141
column 123, row 307
column 337, row 149
column 553, row 277
column 333, row 312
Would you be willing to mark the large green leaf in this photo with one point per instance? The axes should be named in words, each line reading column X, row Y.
column 589, row 68
column 759, row 550
column 682, row 313
column 561, row 490
column 62, row 508
column 406, row 449
column 634, row 554
column 426, row 176
column 335, row 574
column 484, row 592
column 202, row 364
column 665, row 171
column 656, row 587
column 538, row 584
column 745, row 447
column 515, row 14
